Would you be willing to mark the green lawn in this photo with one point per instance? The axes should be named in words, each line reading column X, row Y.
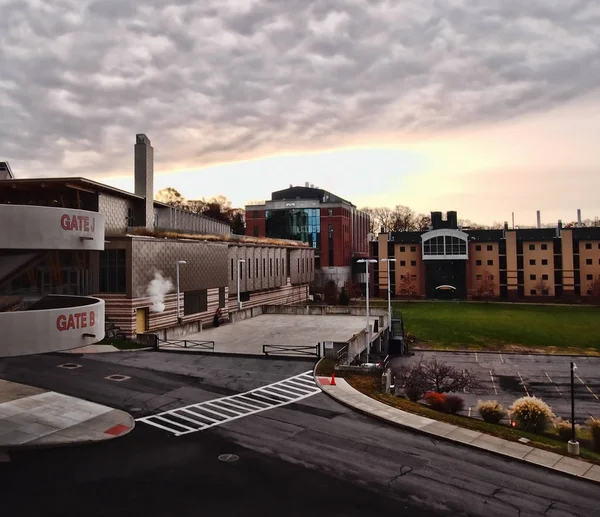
column 499, row 326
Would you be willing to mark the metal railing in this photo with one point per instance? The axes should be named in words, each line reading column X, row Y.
column 342, row 356
column 187, row 343
column 292, row 350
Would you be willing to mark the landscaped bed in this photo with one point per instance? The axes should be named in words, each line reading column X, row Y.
column 495, row 326
column 549, row 441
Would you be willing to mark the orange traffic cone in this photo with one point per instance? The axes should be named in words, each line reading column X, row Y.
column 332, row 382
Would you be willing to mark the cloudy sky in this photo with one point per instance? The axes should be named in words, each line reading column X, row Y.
column 482, row 106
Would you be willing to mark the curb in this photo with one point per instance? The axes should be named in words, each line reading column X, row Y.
column 413, row 349
column 42, row 446
column 145, row 349
column 444, row 438
column 243, row 355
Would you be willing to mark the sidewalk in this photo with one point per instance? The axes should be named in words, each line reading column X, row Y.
column 347, row 395
column 32, row 417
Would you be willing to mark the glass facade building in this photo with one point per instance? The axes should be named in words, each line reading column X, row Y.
column 299, row 224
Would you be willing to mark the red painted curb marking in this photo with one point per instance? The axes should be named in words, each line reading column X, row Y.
column 116, row 430
column 324, row 381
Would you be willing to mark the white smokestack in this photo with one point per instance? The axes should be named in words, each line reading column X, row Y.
column 539, row 219
column 306, row 184
column 157, row 289
column 579, row 218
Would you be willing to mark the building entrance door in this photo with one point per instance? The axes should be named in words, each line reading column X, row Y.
column 141, row 320
column 447, row 275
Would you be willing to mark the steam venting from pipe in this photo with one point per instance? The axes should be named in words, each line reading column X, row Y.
column 157, row 289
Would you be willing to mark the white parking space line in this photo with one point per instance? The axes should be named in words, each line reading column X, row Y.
column 211, row 413
column 523, row 383
column 476, row 358
column 469, row 411
column 588, row 388
column 552, row 382
column 493, row 383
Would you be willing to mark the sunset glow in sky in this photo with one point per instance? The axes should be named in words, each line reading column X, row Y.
column 486, row 108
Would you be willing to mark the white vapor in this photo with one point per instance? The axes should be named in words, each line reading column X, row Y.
column 157, row 289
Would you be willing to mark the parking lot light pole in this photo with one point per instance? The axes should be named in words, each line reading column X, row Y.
column 388, row 260
column 573, row 445
column 239, row 274
column 177, row 264
column 368, row 329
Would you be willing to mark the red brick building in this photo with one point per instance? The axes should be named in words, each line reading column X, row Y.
column 334, row 227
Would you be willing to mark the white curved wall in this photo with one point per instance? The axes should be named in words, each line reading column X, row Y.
column 41, row 227
column 51, row 330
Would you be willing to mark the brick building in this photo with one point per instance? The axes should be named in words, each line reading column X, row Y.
column 449, row 261
column 142, row 237
column 332, row 226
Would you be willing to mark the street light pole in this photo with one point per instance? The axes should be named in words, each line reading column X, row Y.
column 573, row 445
column 239, row 271
column 388, row 260
column 368, row 329
column 177, row 264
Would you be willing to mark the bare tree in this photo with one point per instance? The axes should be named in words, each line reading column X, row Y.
column 373, row 220
column 485, row 286
column 422, row 222
column 594, row 288
column 170, row 196
column 402, row 219
column 406, row 286
column 541, row 287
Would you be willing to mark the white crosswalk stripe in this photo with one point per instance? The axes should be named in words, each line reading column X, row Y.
column 204, row 415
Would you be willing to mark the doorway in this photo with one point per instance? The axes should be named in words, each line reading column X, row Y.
column 141, row 320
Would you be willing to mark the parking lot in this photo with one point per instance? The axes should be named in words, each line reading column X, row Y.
column 506, row 377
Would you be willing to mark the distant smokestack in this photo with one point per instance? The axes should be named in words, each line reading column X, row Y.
column 513, row 220
column 579, row 218
column 539, row 219
column 291, row 185
column 306, row 184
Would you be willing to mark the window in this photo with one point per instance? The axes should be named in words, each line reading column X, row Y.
column 544, row 262
column 241, row 267
column 270, row 267
column 276, row 267
column 264, row 267
column 490, row 247
column 444, row 245
column 544, row 246
column 478, row 247
column 599, row 245
column 533, row 291
column 330, row 212
column 402, row 249
column 196, row 301
column 589, row 292
column 302, row 265
column 478, row 277
column 478, row 262
column 544, row 277
column 256, row 268
column 532, row 246
column 532, row 262
column 532, row 277
column 256, row 231
column 589, row 277
column 232, row 277
column 414, row 277
column 130, row 217
column 298, row 266
column 412, row 263
column 588, row 245
column 403, row 263
column 221, row 297
column 249, row 268
column 490, row 262
column 545, row 292
column 413, row 249
column 113, row 271
column 588, row 262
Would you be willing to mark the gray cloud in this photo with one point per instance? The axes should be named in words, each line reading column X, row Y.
column 218, row 80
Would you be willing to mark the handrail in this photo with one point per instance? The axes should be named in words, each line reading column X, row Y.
column 187, row 343
column 287, row 350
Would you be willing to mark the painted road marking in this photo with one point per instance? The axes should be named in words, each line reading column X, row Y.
column 501, row 358
column 555, row 386
column 211, row 413
column 523, row 383
column 476, row 358
column 493, row 383
column 588, row 388
column 469, row 411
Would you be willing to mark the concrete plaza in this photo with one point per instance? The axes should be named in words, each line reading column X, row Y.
column 249, row 336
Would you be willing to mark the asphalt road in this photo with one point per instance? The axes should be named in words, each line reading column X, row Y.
column 311, row 456
column 506, row 377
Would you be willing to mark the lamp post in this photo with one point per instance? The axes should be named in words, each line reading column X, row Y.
column 239, row 301
column 368, row 329
column 388, row 260
column 177, row 264
column 573, row 445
